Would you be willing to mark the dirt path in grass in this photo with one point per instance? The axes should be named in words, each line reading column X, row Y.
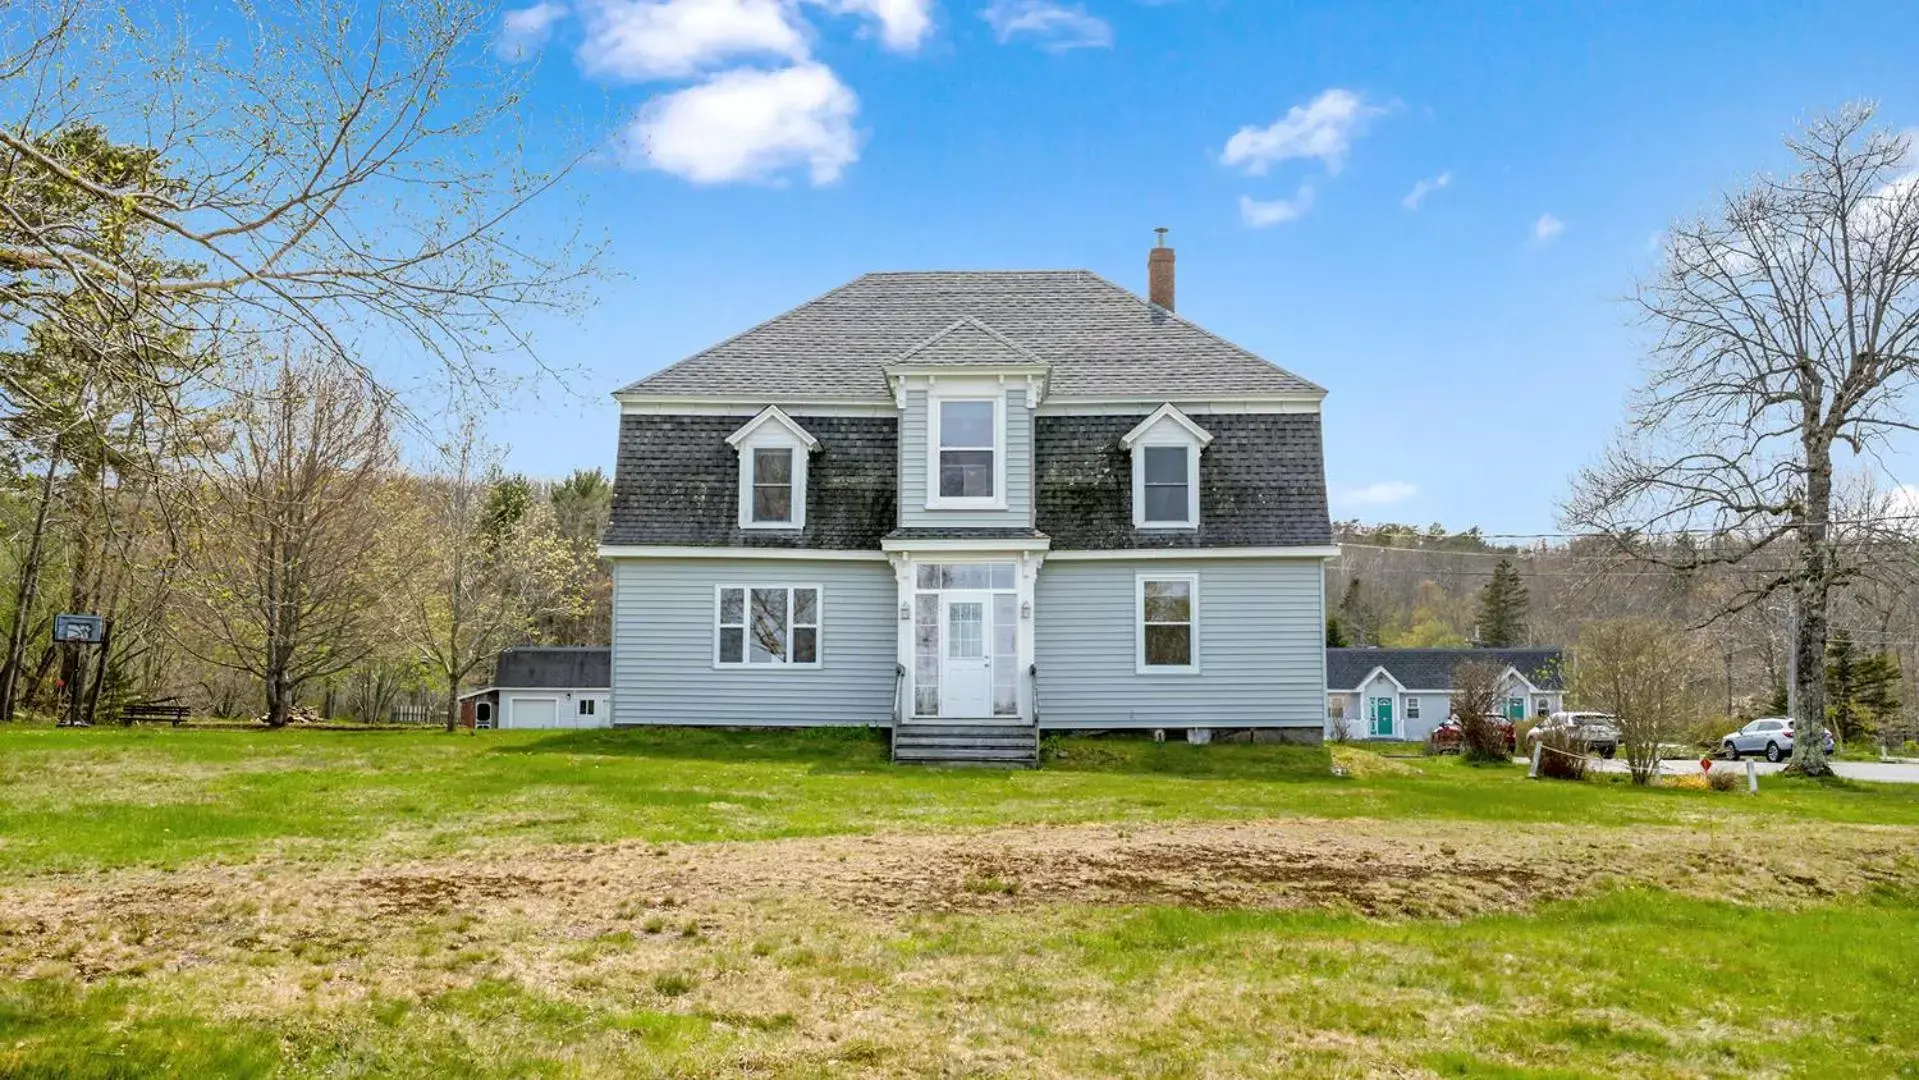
column 96, row 924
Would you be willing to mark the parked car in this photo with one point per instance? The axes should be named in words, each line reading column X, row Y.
column 1768, row 735
column 1449, row 737
column 1592, row 730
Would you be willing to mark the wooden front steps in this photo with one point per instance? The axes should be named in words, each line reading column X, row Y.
column 967, row 742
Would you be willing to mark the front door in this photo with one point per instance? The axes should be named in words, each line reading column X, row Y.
column 1382, row 718
column 966, row 663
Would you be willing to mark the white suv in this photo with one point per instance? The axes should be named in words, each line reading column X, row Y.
column 1768, row 735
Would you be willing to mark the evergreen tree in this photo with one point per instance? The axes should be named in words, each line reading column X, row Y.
column 1780, row 703
column 1335, row 633
column 1358, row 614
column 1876, row 692
column 1842, row 684
column 1502, row 608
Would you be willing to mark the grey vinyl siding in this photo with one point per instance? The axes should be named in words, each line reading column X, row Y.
column 663, row 624
column 1019, row 469
column 1261, row 646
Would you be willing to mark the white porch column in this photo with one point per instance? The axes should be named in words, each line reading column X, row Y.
column 1027, row 578
column 903, row 571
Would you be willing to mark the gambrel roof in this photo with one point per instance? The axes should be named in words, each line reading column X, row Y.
column 1099, row 341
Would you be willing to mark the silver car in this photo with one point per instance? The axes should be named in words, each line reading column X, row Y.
column 1595, row 731
column 1768, row 735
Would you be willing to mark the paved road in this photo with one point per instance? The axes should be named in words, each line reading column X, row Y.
column 1877, row 771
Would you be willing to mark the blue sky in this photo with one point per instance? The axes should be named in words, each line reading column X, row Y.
column 1476, row 345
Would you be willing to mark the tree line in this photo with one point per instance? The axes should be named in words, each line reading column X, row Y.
column 1433, row 588
column 217, row 224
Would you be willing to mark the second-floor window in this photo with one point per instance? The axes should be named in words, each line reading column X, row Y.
column 772, row 486
column 968, row 453
column 1167, row 486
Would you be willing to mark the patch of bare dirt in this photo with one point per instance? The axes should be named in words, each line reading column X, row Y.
column 98, row 924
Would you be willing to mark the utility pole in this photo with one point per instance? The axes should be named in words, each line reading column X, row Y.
column 1792, row 656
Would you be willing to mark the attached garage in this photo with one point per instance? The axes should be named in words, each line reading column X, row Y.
column 544, row 686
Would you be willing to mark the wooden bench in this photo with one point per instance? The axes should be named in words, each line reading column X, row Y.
column 153, row 710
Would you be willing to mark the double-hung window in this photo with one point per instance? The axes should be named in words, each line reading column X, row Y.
column 772, row 485
column 1166, row 447
column 766, row 627
column 1168, row 606
column 1412, row 708
column 1166, row 486
column 967, row 451
column 773, row 449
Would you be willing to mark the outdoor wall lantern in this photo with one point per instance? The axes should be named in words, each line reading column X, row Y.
column 1025, row 609
column 906, row 613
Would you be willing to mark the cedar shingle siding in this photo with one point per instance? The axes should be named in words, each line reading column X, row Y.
column 678, row 483
column 1261, row 484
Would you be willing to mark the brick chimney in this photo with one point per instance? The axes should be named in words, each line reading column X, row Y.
column 1159, row 273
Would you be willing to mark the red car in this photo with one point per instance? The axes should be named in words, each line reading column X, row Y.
column 1448, row 737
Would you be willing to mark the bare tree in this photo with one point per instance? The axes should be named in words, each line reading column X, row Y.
column 1643, row 674
column 487, row 565
column 1478, row 688
column 333, row 168
column 283, row 573
column 1788, row 331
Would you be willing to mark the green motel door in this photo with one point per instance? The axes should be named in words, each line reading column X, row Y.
column 1382, row 717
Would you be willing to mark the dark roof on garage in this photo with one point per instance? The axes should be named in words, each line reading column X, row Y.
column 1432, row 669
column 557, row 667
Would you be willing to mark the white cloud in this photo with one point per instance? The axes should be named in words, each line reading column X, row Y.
column 1055, row 27
column 1259, row 215
column 750, row 125
column 655, row 39
column 1424, row 188
column 1546, row 228
column 903, row 23
column 1323, row 128
column 1384, row 493
column 524, row 31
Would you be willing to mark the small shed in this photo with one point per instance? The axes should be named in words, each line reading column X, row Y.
column 544, row 686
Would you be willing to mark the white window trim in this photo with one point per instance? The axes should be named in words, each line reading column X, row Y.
column 772, row 429
column 747, row 468
column 1192, row 484
column 1167, row 427
column 936, row 501
column 819, row 640
column 1410, row 707
column 586, row 706
column 1140, row 666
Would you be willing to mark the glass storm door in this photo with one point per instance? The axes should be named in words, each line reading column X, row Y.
column 966, row 662
column 1382, row 718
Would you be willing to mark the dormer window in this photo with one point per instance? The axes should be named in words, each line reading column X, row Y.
column 772, row 484
column 1166, row 449
column 773, row 450
column 1167, row 475
column 967, row 439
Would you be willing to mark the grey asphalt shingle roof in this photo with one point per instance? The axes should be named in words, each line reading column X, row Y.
column 560, row 667
column 1100, row 340
column 1432, row 669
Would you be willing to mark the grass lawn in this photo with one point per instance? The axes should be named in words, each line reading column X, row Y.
column 683, row 904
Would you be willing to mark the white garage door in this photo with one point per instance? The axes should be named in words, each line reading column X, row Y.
column 534, row 713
